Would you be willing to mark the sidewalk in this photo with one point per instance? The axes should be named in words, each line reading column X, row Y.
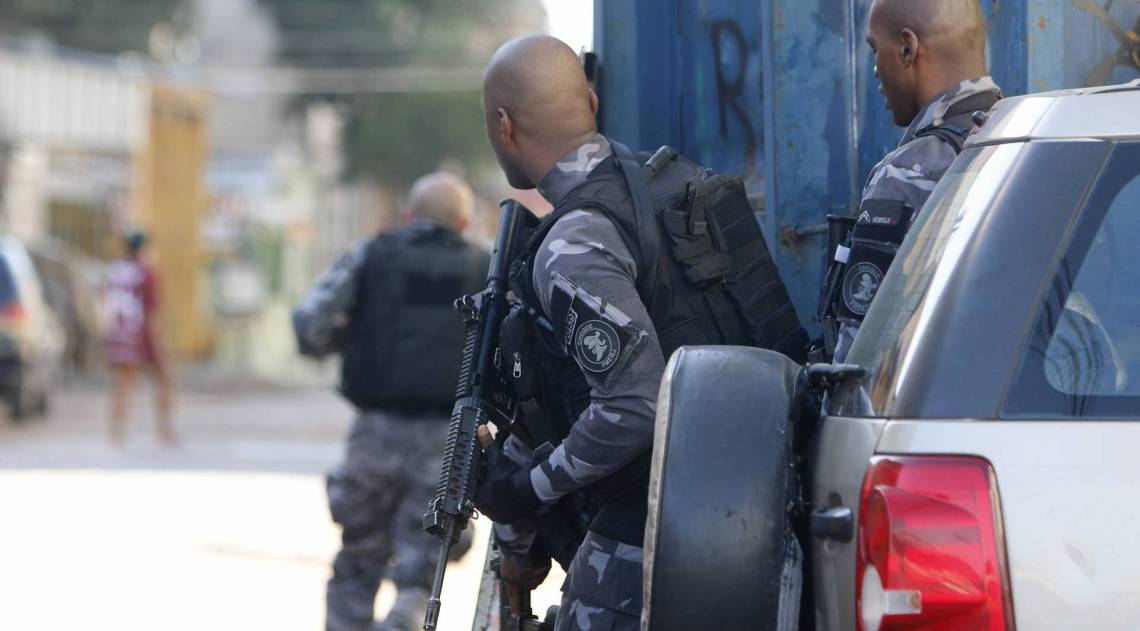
column 224, row 424
column 228, row 531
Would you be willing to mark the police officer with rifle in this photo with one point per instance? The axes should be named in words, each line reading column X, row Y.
column 641, row 254
column 481, row 396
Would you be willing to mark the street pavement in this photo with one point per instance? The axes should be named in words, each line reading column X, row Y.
column 228, row 530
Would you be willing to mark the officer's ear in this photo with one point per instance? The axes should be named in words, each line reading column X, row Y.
column 908, row 47
column 593, row 102
column 506, row 128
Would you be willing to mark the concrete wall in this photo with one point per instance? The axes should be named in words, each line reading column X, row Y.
column 61, row 104
column 53, row 109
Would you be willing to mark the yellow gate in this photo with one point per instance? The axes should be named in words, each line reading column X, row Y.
column 172, row 198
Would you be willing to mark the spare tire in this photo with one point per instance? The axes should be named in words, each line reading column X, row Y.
column 719, row 548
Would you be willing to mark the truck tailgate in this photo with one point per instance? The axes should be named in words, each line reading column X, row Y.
column 1071, row 508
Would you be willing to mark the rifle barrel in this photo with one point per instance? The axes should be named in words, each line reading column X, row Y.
column 431, row 618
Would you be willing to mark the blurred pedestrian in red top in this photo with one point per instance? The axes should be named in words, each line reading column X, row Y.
column 131, row 341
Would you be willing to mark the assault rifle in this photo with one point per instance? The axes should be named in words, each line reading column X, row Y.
column 481, row 396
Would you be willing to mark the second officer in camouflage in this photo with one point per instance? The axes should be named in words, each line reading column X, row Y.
column 930, row 61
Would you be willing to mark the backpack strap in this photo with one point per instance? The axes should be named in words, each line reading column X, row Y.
column 953, row 135
column 955, row 126
column 644, row 218
column 637, row 229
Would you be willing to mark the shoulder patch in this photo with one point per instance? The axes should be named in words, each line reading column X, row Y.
column 883, row 220
column 860, row 284
column 598, row 336
column 597, row 345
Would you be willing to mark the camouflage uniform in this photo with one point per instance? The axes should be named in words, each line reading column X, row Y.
column 909, row 173
column 321, row 317
column 378, row 493
column 584, row 256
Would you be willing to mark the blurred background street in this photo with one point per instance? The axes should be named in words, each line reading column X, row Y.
column 253, row 141
column 249, row 144
column 229, row 530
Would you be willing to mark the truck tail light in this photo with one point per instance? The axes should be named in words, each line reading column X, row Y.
column 13, row 313
column 931, row 554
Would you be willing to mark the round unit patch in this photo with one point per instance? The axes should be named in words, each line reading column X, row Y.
column 597, row 345
column 860, row 285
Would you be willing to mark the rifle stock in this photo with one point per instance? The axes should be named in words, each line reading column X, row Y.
column 475, row 399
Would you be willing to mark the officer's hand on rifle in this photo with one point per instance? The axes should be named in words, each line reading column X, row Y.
column 505, row 493
column 519, row 581
column 524, row 577
column 484, row 436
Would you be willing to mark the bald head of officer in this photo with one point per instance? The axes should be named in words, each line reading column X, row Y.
column 442, row 198
column 537, row 106
column 924, row 47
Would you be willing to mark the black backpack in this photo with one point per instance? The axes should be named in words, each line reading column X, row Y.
column 705, row 272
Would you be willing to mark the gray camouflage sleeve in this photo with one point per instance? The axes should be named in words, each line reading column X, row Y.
column 910, row 173
column 324, row 311
column 585, row 277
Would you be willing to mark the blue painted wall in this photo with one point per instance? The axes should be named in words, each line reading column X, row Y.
column 783, row 93
column 678, row 73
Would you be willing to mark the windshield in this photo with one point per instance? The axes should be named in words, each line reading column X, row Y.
column 913, row 288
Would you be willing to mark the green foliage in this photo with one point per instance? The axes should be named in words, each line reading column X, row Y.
column 391, row 137
column 340, row 33
column 395, row 138
column 108, row 26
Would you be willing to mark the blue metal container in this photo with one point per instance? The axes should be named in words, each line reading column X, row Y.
column 783, row 93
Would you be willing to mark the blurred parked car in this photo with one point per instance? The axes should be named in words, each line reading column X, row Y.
column 31, row 338
column 71, row 288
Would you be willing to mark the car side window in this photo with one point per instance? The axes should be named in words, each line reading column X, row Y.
column 1083, row 360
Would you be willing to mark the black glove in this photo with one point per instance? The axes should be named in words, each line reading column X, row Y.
column 505, row 493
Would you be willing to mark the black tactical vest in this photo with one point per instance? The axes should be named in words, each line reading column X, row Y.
column 688, row 263
column 403, row 341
